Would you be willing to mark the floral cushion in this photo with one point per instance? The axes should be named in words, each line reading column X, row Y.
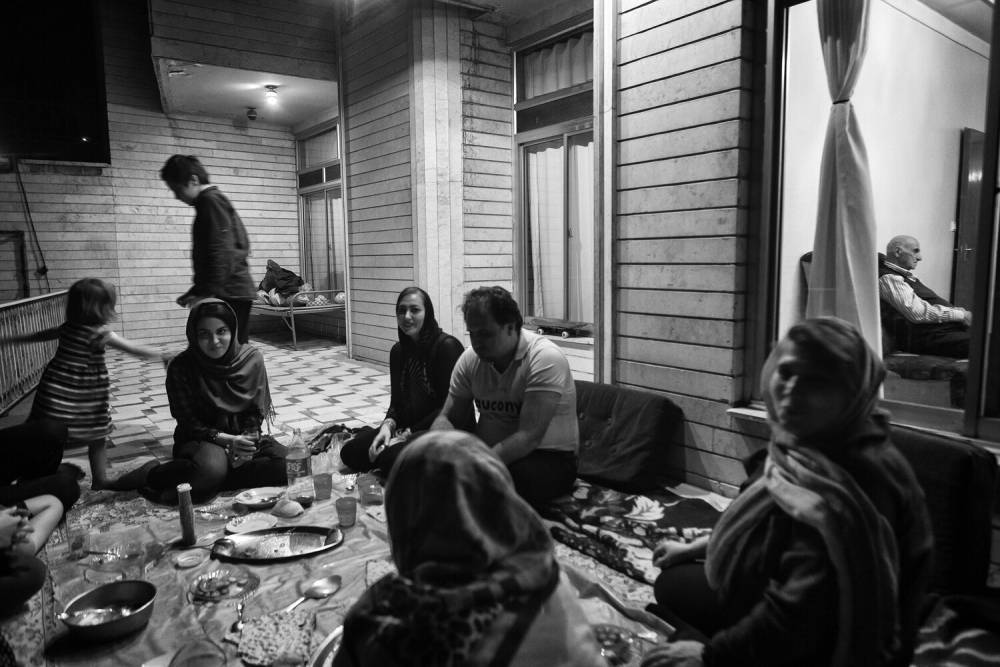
column 621, row 529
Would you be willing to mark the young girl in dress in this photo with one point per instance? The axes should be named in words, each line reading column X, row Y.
column 74, row 388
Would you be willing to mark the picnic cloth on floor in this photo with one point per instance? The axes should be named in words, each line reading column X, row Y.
column 620, row 529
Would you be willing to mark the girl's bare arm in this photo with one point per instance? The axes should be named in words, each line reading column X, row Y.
column 131, row 347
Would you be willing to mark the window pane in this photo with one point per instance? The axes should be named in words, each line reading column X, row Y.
column 545, row 229
column 559, row 229
column 319, row 149
column 564, row 64
column 922, row 81
column 322, row 240
column 315, row 240
column 580, row 228
column 336, row 215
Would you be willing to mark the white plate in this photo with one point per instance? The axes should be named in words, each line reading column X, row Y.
column 260, row 499
column 254, row 521
column 188, row 559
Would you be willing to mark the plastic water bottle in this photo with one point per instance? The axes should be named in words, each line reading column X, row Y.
column 299, row 470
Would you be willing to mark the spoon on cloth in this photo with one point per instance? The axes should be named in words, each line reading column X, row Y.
column 321, row 588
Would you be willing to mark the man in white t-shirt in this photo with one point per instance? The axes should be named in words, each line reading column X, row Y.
column 523, row 389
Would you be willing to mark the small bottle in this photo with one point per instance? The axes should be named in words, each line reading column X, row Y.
column 186, row 509
column 299, row 470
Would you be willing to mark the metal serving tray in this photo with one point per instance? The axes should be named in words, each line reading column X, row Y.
column 277, row 544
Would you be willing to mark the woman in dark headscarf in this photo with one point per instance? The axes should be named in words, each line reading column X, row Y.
column 477, row 580
column 219, row 395
column 824, row 557
column 420, row 366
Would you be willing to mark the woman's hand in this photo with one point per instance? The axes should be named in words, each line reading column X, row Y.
column 673, row 552
column 241, row 449
column 380, row 441
column 684, row 653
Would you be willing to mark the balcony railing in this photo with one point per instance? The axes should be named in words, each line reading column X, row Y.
column 22, row 363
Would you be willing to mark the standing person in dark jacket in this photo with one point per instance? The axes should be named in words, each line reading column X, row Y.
column 219, row 242
column 824, row 557
column 420, row 366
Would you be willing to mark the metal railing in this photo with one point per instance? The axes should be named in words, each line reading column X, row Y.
column 22, row 363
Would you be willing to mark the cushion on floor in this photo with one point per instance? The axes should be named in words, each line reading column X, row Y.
column 624, row 435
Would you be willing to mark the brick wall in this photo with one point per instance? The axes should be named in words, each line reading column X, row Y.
column 120, row 223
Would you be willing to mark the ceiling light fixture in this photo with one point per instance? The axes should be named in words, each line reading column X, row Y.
column 271, row 94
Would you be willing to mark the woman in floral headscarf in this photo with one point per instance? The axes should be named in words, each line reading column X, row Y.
column 477, row 580
column 824, row 557
column 219, row 395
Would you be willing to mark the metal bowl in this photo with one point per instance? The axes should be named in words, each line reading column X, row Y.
column 126, row 606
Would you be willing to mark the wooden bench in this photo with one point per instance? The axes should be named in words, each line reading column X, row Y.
column 288, row 312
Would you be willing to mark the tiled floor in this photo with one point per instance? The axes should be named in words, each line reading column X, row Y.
column 316, row 384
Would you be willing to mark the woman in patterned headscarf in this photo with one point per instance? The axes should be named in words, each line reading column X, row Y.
column 219, row 395
column 477, row 580
column 824, row 557
column 420, row 366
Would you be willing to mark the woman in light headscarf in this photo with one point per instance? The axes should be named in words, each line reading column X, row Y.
column 477, row 580
column 824, row 557
column 219, row 395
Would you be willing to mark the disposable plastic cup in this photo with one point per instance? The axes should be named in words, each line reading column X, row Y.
column 369, row 489
column 323, row 483
column 347, row 511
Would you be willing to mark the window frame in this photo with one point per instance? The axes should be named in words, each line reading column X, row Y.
column 525, row 140
column 765, row 238
column 331, row 187
column 561, row 129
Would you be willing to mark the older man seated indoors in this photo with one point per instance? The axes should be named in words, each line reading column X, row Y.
column 522, row 386
column 918, row 319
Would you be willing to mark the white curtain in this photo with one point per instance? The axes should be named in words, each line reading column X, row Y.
column 844, row 275
column 558, row 66
column 580, row 223
column 315, row 239
column 560, row 211
column 546, row 232
column 338, row 248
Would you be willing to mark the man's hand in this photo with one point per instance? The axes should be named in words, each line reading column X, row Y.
column 967, row 320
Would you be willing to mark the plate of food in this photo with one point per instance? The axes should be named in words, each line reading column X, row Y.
column 252, row 521
column 227, row 581
column 260, row 499
column 276, row 544
column 619, row 646
column 323, row 656
column 192, row 558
